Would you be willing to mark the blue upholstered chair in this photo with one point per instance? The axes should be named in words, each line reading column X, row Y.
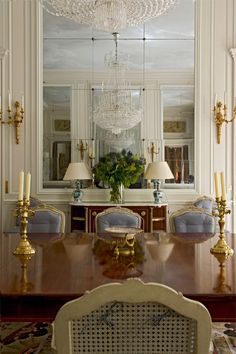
column 46, row 219
column 117, row 216
column 192, row 220
column 205, row 202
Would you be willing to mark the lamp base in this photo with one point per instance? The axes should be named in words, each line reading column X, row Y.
column 158, row 195
column 78, row 193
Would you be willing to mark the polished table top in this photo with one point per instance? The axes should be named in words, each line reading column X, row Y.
column 65, row 266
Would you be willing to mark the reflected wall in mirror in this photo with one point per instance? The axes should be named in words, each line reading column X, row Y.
column 160, row 76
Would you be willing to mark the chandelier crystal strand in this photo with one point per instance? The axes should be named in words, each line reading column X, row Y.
column 108, row 15
column 115, row 110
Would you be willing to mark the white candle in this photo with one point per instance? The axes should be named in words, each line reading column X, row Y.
column 0, row 102
column 9, row 99
column 225, row 97
column 215, row 99
column 21, row 185
column 27, row 186
column 234, row 102
column 93, row 147
column 22, row 101
column 223, row 186
column 216, row 185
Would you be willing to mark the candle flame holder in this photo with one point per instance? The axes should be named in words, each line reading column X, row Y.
column 221, row 247
column 220, row 115
column 24, row 212
column 15, row 119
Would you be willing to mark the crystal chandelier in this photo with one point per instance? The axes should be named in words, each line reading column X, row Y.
column 116, row 110
column 108, row 15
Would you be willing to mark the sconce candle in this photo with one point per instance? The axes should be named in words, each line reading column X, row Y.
column 21, row 185
column 223, row 186
column 27, row 186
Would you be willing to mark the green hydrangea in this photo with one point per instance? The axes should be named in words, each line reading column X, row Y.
column 119, row 168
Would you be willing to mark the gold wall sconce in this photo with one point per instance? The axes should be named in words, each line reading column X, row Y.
column 82, row 147
column 220, row 116
column 151, row 150
column 14, row 118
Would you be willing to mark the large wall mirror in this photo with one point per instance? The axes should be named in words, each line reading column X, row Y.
column 159, row 76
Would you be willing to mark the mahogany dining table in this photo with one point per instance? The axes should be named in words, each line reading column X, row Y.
column 65, row 266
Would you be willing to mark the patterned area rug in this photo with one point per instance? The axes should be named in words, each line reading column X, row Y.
column 35, row 338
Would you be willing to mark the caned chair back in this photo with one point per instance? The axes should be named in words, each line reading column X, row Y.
column 117, row 216
column 132, row 317
column 192, row 220
column 47, row 219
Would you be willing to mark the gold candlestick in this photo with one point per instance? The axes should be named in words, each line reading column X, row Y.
column 17, row 119
column 25, row 285
column 221, row 285
column 221, row 246
column 24, row 247
column 220, row 115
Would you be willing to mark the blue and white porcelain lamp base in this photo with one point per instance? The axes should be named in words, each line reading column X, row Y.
column 158, row 195
column 78, row 193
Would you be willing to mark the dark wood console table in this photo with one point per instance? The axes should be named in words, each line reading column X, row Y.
column 154, row 216
column 65, row 266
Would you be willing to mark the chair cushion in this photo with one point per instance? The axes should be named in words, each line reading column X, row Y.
column 194, row 222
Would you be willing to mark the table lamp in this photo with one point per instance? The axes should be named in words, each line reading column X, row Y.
column 77, row 171
column 155, row 171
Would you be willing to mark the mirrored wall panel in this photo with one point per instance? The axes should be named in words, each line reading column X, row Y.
column 108, row 92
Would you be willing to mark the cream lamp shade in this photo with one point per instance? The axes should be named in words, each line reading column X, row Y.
column 77, row 171
column 158, row 170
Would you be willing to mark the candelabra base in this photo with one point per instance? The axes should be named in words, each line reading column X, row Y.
column 24, row 248
column 221, row 248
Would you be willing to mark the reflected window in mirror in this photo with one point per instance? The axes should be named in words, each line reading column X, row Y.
column 178, row 133
column 56, row 133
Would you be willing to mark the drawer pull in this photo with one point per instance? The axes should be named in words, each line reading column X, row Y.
column 158, row 219
column 78, row 218
column 94, row 213
column 143, row 213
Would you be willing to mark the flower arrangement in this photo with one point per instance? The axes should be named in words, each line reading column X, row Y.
column 119, row 168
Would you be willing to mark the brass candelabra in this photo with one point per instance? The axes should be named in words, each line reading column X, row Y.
column 24, row 212
column 220, row 115
column 221, row 247
column 15, row 119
